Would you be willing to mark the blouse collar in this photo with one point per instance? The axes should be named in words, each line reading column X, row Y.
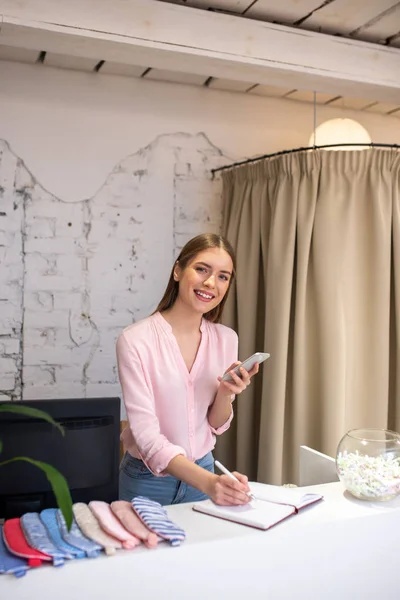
column 167, row 327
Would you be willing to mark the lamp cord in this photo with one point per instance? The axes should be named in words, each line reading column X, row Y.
column 315, row 118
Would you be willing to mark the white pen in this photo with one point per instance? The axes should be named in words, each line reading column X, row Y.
column 231, row 475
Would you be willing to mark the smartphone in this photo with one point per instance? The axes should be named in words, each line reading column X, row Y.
column 248, row 364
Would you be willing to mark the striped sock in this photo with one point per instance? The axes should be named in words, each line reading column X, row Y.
column 155, row 517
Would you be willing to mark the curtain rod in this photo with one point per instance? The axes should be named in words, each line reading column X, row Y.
column 282, row 152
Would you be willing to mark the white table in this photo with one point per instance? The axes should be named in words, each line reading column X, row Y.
column 340, row 548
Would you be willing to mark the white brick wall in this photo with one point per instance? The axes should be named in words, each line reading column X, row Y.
column 74, row 274
column 13, row 182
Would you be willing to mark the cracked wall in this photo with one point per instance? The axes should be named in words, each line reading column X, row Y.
column 74, row 274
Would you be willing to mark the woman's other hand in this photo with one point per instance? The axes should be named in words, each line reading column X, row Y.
column 227, row 492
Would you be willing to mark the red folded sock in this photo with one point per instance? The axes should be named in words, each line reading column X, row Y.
column 16, row 543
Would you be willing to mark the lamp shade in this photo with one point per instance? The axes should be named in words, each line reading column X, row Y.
column 340, row 131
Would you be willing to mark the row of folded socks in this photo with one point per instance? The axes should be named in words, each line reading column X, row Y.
column 36, row 537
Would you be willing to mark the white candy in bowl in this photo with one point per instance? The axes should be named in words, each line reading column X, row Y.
column 368, row 463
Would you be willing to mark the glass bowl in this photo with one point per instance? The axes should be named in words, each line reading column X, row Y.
column 368, row 463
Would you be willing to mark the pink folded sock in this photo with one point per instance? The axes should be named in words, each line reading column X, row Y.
column 129, row 519
column 90, row 527
column 109, row 522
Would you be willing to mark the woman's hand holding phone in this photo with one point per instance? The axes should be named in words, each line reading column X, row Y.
column 238, row 376
column 235, row 380
column 236, row 384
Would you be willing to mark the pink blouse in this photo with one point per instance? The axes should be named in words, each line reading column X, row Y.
column 167, row 407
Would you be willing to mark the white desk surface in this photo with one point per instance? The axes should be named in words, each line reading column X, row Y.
column 340, row 548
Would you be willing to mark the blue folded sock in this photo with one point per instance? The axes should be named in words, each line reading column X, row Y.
column 10, row 563
column 76, row 538
column 49, row 519
column 37, row 537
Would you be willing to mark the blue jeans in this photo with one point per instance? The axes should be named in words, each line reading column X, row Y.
column 135, row 479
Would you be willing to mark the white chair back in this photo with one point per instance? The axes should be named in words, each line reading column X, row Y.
column 316, row 468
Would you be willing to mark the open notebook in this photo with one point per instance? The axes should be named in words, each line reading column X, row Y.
column 272, row 505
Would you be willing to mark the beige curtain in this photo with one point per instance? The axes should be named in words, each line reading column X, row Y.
column 317, row 237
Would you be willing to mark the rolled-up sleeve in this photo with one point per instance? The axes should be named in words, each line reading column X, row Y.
column 154, row 448
column 231, row 357
column 225, row 426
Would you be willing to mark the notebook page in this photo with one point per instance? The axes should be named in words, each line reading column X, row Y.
column 261, row 515
column 292, row 496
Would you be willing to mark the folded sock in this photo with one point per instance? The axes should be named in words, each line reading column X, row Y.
column 111, row 525
column 129, row 519
column 91, row 528
column 76, row 538
column 10, row 563
column 16, row 543
column 37, row 537
column 49, row 519
column 155, row 517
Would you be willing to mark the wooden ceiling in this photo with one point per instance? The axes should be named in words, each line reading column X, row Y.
column 376, row 21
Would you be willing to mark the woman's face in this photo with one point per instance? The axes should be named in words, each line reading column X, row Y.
column 205, row 280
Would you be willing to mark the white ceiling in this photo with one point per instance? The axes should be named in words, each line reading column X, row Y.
column 376, row 21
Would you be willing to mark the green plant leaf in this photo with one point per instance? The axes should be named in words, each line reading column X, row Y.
column 30, row 412
column 58, row 483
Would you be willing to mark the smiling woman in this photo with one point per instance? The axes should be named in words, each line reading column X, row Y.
column 211, row 257
column 170, row 367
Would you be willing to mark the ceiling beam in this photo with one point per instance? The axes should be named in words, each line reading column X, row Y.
column 168, row 36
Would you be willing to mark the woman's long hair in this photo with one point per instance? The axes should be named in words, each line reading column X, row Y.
column 205, row 241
